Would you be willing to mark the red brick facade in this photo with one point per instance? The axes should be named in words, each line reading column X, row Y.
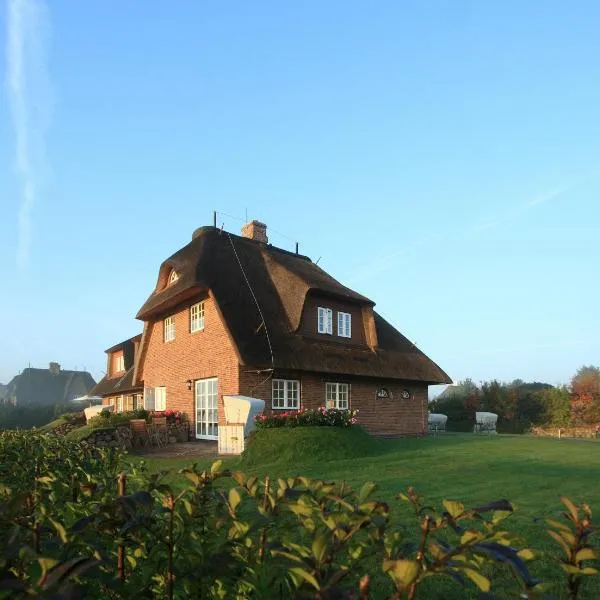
column 190, row 356
column 211, row 353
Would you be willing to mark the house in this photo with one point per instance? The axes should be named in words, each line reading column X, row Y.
column 48, row 386
column 117, row 388
column 234, row 315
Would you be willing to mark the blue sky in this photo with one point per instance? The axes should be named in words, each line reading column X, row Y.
column 442, row 158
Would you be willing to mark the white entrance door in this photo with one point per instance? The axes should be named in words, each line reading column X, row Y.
column 207, row 413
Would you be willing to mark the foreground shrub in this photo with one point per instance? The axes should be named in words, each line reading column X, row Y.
column 321, row 417
column 74, row 525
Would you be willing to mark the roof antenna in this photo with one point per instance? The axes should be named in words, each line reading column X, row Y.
column 215, row 219
column 318, row 259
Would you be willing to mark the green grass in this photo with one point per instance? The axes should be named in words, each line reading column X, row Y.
column 530, row 472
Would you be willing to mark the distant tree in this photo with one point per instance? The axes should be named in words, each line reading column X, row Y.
column 586, row 382
column 555, row 406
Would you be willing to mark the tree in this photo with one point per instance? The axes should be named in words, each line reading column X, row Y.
column 586, row 382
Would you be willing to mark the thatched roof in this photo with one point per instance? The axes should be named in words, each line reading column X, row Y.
column 109, row 386
column 42, row 386
column 220, row 262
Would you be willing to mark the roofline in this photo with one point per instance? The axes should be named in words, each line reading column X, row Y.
column 121, row 344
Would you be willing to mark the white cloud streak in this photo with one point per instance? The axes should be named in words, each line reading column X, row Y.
column 31, row 98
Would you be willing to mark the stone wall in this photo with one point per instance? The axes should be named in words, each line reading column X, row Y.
column 119, row 437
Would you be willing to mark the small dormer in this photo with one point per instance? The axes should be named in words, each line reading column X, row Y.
column 117, row 363
column 173, row 277
column 332, row 319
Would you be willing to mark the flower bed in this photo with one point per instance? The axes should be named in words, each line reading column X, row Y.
column 321, row 417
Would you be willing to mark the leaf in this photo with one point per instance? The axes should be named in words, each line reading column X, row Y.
column 585, row 554
column 69, row 569
column 526, row 554
column 304, row 574
column 570, row 507
column 62, row 532
column 589, row 571
column 47, row 564
column 365, row 491
column 319, row 546
column 562, row 542
column 469, row 536
column 455, row 509
column 234, row 498
column 215, row 468
column 404, row 572
column 482, row 582
column 557, row 525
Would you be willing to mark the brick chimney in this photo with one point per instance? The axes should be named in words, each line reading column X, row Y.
column 54, row 368
column 255, row 230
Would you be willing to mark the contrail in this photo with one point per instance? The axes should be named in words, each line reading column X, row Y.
column 31, row 98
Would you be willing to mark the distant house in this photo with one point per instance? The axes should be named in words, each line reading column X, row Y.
column 461, row 389
column 118, row 388
column 234, row 315
column 48, row 386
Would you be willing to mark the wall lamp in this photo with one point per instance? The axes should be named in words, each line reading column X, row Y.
column 189, row 384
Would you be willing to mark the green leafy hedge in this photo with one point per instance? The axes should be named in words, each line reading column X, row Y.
column 83, row 522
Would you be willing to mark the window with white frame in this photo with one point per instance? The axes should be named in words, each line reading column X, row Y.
column 119, row 404
column 286, row 394
column 344, row 324
column 138, row 401
column 325, row 320
column 160, row 398
column 337, row 395
column 173, row 277
column 197, row 317
column 119, row 363
column 169, row 324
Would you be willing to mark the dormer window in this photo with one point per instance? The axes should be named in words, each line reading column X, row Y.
column 325, row 320
column 344, row 324
column 119, row 363
column 173, row 276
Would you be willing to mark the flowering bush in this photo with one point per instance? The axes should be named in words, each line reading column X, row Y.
column 173, row 416
column 321, row 417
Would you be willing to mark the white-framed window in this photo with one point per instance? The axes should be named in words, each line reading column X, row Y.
column 337, row 395
column 138, row 401
column 119, row 404
column 169, row 326
column 286, row 394
column 325, row 320
column 173, row 277
column 197, row 317
column 344, row 324
column 160, row 398
column 119, row 363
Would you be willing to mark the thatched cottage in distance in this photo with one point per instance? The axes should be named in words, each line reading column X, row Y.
column 48, row 386
column 235, row 315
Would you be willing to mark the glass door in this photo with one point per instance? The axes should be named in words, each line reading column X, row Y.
column 207, row 413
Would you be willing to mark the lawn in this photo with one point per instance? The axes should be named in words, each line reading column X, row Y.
column 530, row 472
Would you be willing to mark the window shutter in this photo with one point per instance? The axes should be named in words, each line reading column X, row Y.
column 149, row 398
column 349, row 327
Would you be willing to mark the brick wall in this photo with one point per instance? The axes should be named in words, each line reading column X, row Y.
column 391, row 416
column 198, row 355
